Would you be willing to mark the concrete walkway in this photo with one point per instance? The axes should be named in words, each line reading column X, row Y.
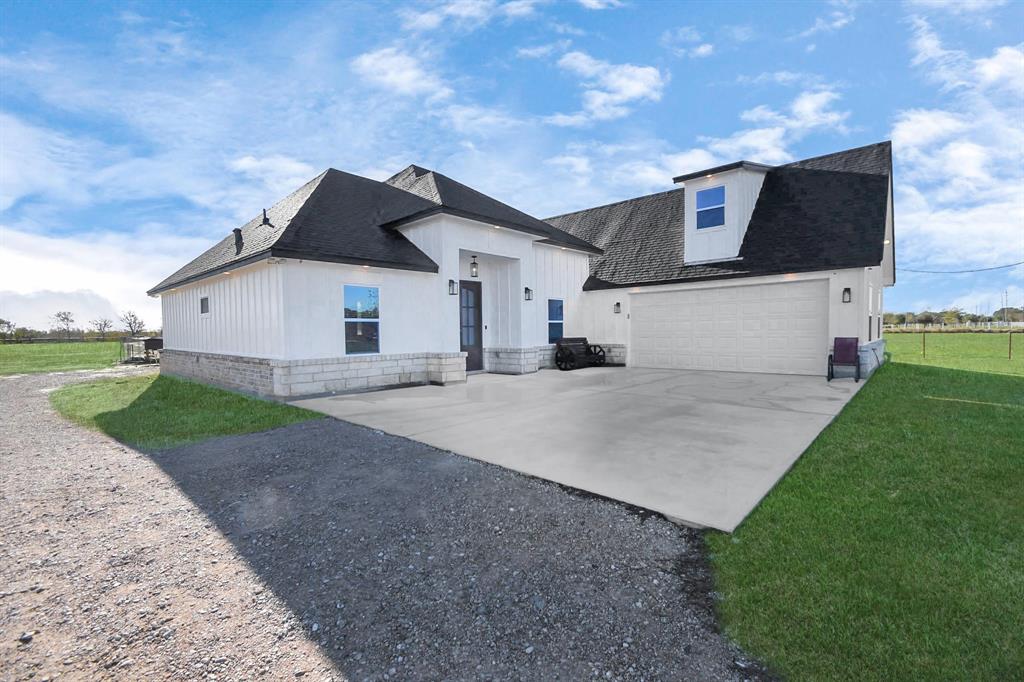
column 699, row 447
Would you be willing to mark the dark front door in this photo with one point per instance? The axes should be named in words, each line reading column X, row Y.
column 470, row 324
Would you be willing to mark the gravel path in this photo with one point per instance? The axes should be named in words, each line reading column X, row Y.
column 328, row 551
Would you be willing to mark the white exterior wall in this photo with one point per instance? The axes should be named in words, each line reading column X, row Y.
column 558, row 274
column 314, row 302
column 246, row 315
column 742, row 187
column 509, row 261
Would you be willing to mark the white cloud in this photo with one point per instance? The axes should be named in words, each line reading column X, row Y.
column 960, row 166
column 279, row 174
column 40, row 162
column 91, row 268
column 840, row 16
column 609, row 89
column 787, row 78
column 538, row 51
column 739, row 33
column 466, row 14
column 957, row 6
column 683, row 41
column 600, row 4
column 392, row 69
column 810, row 109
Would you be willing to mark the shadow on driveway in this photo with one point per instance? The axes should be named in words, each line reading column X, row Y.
column 405, row 561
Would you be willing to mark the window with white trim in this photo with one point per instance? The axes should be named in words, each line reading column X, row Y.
column 362, row 320
column 711, row 207
column 556, row 319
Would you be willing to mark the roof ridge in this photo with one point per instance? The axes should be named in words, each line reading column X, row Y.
column 615, row 203
column 842, row 151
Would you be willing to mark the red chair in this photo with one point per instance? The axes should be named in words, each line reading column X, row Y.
column 844, row 353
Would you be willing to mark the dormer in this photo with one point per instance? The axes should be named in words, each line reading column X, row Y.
column 719, row 203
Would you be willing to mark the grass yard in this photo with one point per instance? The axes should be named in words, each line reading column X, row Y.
column 972, row 351
column 894, row 549
column 28, row 358
column 153, row 412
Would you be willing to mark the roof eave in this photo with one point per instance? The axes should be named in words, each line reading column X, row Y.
column 296, row 255
column 747, row 165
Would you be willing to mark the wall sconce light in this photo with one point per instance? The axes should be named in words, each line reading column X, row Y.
column 846, row 295
column 528, row 294
column 453, row 289
column 617, row 308
column 474, row 269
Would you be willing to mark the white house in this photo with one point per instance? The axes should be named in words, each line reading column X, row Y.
column 350, row 284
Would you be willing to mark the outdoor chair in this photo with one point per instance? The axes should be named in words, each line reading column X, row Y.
column 844, row 353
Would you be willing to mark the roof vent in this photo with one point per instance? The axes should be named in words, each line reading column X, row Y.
column 238, row 240
column 266, row 221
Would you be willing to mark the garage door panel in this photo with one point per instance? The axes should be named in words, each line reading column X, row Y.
column 778, row 328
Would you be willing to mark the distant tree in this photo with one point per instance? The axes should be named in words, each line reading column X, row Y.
column 952, row 316
column 102, row 325
column 909, row 318
column 64, row 322
column 133, row 324
column 926, row 317
column 6, row 328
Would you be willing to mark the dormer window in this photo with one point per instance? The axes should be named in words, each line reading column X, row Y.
column 711, row 207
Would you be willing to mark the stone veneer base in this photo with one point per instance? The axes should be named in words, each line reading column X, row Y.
column 287, row 378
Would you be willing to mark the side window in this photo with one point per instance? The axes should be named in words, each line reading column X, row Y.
column 362, row 320
column 204, row 305
column 556, row 318
column 711, row 207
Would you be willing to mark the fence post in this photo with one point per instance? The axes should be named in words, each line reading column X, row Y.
column 923, row 354
column 1010, row 342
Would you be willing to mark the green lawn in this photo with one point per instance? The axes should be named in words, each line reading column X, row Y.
column 971, row 351
column 894, row 549
column 25, row 358
column 154, row 412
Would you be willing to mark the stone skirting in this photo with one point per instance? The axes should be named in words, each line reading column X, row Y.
column 286, row 378
column 511, row 360
column 614, row 354
column 251, row 375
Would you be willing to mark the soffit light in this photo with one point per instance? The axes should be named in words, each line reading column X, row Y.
column 474, row 269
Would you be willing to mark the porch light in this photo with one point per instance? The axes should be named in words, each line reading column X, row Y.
column 846, row 295
column 474, row 269
column 528, row 294
column 617, row 308
column 453, row 288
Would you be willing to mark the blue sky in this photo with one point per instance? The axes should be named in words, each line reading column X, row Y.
column 132, row 135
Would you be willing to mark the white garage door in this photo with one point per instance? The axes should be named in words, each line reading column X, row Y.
column 775, row 328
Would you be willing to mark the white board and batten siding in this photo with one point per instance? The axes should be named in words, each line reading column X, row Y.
column 246, row 315
column 558, row 274
column 773, row 328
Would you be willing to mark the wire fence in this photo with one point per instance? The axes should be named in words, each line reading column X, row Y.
column 956, row 345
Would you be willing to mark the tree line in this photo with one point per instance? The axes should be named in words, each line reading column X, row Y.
column 953, row 316
column 64, row 326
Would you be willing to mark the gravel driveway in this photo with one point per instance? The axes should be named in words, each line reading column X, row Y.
column 328, row 551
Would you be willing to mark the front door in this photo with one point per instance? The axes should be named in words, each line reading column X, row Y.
column 470, row 324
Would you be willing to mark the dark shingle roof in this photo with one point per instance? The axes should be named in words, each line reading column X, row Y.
column 453, row 197
column 345, row 218
column 822, row 213
column 335, row 217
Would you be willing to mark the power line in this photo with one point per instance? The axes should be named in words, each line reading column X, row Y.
column 960, row 272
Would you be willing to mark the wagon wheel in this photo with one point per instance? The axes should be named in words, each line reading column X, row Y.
column 597, row 356
column 565, row 359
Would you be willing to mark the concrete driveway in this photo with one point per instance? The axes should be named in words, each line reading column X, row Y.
column 699, row 447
